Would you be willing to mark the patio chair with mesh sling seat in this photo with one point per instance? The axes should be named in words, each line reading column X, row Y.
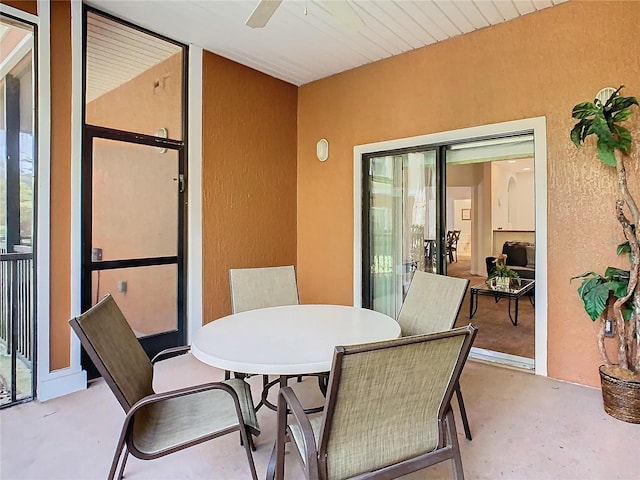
column 387, row 411
column 432, row 304
column 157, row 424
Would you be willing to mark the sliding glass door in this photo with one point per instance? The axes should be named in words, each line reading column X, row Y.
column 401, row 224
column 450, row 209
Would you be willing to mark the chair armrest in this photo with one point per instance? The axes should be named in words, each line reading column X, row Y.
column 171, row 352
column 288, row 403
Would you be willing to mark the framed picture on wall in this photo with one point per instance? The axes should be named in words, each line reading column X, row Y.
column 466, row 214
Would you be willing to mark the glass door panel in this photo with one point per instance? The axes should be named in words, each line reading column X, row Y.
column 18, row 165
column 134, row 79
column 146, row 296
column 401, row 228
column 133, row 237
column 135, row 201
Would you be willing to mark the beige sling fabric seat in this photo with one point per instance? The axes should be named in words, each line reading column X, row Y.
column 253, row 288
column 432, row 304
column 387, row 411
column 159, row 424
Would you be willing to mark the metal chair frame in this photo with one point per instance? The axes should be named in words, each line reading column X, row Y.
column 314, row 463
column 125, row 444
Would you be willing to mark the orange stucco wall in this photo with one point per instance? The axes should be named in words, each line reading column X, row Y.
column 538, row 65
column 24, row 5
column 248, row 175
column 60, row 273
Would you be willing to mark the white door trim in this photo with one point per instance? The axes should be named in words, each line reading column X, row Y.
column 536, row 125
column 49, row 384
column 73, row 378
column 194, row 194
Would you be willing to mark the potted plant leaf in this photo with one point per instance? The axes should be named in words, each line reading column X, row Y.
column 503, row 277
column 616, row 293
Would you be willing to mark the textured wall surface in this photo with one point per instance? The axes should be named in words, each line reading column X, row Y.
column 24, row 5
column 538, row 65
column 60, row 295
column 249, row 175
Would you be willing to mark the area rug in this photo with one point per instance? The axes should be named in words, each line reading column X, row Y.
column 495, row 331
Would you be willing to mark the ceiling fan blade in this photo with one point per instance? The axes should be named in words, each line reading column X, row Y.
column 262, row 13
column 344, row 13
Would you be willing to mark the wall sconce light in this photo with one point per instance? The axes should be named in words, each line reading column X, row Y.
column 322, row 149
column 162, row 133
column 604, row 94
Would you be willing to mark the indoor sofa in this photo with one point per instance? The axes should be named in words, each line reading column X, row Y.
column 521, row 258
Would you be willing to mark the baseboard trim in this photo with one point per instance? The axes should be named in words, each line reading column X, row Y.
column 502, row 358
column 61, row 383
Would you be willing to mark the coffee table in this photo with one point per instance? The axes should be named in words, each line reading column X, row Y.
column 289, row 340
column 512, row 293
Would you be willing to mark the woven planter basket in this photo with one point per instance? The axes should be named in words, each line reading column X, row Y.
column 621, row 397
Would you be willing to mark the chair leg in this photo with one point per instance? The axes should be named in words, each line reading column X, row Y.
column 251, row 442
column 463, row 412
column 455, row 447
column 122, row 465
column 116, row 458
column 247, row 442
column 271, row 467
column 323, row 381
column 276, row 462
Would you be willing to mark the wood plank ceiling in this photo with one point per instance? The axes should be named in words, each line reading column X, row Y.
column 302, row 42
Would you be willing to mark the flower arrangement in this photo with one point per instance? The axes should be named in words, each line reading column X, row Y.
column 502, row 271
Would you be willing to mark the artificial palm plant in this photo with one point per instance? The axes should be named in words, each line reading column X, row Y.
column 618, row 289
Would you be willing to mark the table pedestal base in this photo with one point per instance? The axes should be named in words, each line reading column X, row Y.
column 281, row 381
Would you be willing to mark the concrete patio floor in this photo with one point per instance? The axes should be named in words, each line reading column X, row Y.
column 523, row 426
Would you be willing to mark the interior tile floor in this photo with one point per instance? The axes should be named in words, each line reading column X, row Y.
column 524, row 427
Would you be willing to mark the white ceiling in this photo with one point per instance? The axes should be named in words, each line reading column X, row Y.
column 300, row 48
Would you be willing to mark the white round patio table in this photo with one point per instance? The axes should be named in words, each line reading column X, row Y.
column 288, row 340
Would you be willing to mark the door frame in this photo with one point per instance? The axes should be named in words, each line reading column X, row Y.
column 537, row 126
column 154, row 343
column 39, row 120
column 52, row 384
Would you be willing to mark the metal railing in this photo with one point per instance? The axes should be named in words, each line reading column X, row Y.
column 17, row 322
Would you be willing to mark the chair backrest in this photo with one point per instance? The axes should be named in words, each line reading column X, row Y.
column 432, row 303
column 253, row 288
column 386, row 401
column 114, row 349
column 452, row 238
